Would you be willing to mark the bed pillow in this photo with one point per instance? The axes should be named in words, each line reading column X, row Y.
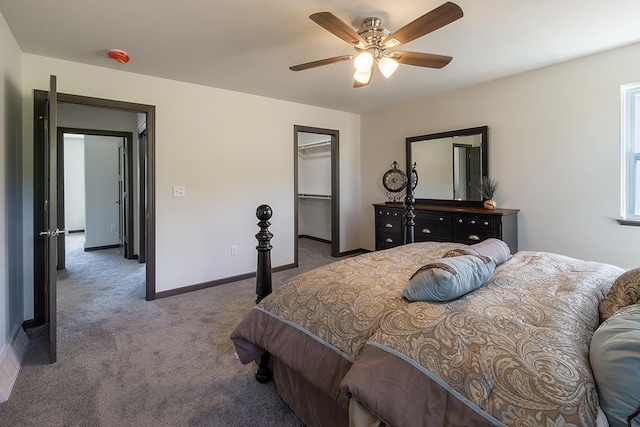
column 615, row 359
column 449, row 278
column 624, row 291
column 495, row 248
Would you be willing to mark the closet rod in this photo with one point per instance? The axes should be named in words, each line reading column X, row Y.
column 314, row 145
column 314, row 196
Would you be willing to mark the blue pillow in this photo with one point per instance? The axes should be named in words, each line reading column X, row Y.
column 449, row 278
column 615, row 360
column 492, row 247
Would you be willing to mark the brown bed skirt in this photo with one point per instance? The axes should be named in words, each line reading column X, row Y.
column 313, row 406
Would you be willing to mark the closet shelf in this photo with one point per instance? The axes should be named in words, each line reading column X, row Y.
column 314, row 196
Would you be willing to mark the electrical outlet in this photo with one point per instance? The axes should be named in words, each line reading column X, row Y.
column 234, row 250
column 179, row 191
column 113, row 227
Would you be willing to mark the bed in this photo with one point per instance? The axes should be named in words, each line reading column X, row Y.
column 346, row 347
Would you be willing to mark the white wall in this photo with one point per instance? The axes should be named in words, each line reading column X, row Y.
column 554, row 146
column 314, row 170
column 314, row 218
column 205, row 141
column 101, row 190
column 74, row 200
column 11, row 249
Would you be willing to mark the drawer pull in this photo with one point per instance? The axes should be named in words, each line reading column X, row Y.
column 426, row 231
column 460, row 221
column 389, row 240
column 441, row 219
column 388, row 225
column 473, row 221
column 474, row 237
column 486, row 223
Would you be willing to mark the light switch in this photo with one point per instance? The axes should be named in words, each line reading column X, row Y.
column 179, row 191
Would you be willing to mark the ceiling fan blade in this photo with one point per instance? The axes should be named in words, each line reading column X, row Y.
column 427, row 23
column 429, row 60
column 334, row 25
column 321, row 62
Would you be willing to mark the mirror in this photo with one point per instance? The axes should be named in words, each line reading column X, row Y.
column 450, row 166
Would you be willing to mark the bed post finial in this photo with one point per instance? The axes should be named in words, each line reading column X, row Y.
column 263, row 273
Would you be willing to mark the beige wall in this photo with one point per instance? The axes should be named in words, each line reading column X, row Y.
column 232, row 152
column 554, row 142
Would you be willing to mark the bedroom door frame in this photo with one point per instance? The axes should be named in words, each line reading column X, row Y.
column 126, row 207
column 147, row 221
column 335, row 186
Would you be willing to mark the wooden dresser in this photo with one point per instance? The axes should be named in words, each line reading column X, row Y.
column 446, row 223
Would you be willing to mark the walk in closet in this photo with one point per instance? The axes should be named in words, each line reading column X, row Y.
column 314, row 186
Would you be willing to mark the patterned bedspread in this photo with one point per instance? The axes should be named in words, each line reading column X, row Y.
column 514, row 351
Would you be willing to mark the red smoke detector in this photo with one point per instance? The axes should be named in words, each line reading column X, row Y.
column 119, row 55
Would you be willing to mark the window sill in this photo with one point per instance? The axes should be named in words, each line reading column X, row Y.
column 632, row 222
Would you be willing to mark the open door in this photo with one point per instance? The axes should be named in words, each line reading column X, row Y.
column 122, row 200
column 475, row 173
column 142, row 196
column 50, row 220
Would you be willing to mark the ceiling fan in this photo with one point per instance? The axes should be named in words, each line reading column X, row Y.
column 372, row 41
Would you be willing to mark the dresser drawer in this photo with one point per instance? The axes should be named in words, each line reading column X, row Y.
column 436, row 217
column 426, row 231
column 389, row 225
column 471, row 235
column 475, row 221
column 389, row 213
column 387, row 240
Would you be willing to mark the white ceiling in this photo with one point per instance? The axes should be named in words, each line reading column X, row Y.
column 248, row 45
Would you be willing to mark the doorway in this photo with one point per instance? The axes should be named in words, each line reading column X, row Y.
column 105, row 214
column 146, row 220
column 318, row 190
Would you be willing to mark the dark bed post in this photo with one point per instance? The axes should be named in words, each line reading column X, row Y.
column 409, row 216
column 263, row 278
column 263, row 274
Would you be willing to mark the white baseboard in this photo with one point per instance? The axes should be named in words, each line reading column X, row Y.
column 11, row 359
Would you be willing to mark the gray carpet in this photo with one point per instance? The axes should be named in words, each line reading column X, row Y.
column 124, row 361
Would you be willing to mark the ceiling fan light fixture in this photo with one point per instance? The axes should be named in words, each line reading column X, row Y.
column 371, row 42
column 362, row 76
column 363, row 61
column 387, row 66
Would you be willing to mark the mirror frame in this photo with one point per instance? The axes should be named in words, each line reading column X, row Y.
column 482, row 130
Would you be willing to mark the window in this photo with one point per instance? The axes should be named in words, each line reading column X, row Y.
column 631, row 151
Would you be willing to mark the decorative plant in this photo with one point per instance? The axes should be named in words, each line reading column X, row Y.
column 489, row 187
